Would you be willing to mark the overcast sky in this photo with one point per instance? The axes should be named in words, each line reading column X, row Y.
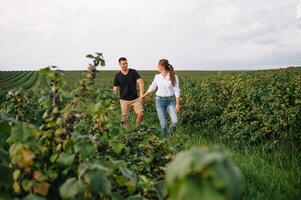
column 192, row 34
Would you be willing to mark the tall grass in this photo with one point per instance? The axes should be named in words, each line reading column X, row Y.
column 268, row 174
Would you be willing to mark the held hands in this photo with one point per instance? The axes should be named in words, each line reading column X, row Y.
column 142, row 97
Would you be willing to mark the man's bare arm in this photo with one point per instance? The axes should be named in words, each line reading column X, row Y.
column 141, row 86
column 116, row 90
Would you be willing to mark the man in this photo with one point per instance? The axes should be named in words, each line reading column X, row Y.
column 125, row 83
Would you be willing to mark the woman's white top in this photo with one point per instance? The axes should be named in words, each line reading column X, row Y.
column 165, row 88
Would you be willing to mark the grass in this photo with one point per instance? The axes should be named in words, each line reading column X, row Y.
column 269, row 174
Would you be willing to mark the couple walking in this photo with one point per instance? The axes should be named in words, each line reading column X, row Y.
column 167, row 95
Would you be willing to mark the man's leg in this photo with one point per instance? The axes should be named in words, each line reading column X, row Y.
column 139, row 111
column 125, row 122
column 125, row 109
column 139, row 118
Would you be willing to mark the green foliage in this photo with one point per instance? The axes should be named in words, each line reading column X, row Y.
column 72, row 188
column 75, row 148
column 5, row 170
column 199, row 174
column 21, row 105
column 246, row 108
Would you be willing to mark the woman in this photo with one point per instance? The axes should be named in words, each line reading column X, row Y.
column 167, row 96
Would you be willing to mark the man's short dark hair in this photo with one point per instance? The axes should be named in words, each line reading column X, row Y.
column 122, row 59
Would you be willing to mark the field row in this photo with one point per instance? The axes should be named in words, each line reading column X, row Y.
column 24, row 79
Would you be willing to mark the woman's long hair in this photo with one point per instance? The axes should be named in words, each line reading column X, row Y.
column 168, row 67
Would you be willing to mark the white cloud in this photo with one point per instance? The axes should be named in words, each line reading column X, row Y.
column 193, row 34
column 299, row 11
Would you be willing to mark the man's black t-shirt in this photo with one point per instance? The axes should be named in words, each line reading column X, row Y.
column 127, row 84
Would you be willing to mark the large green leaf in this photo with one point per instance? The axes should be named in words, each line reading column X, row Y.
column 200, row 174
column 85, row 149
column 132, row 179
column 24, row 134
column 84, row 167
column 115, row 196
column 72, row 188
column 66, row 159
column 90, row 56
column 114, row 164
column 98, row 182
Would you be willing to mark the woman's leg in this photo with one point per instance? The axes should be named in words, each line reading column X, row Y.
column 161, row 110
column 173, row 116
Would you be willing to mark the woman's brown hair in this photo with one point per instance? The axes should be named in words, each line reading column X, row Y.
column 168, row 67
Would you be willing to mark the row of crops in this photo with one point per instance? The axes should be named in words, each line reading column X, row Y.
column 24, row 79
column 34, row 80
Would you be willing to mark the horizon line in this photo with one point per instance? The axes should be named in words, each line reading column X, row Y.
column 103, row 69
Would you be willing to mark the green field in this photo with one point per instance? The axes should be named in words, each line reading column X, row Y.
column 255, row 116
column 33, row 80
